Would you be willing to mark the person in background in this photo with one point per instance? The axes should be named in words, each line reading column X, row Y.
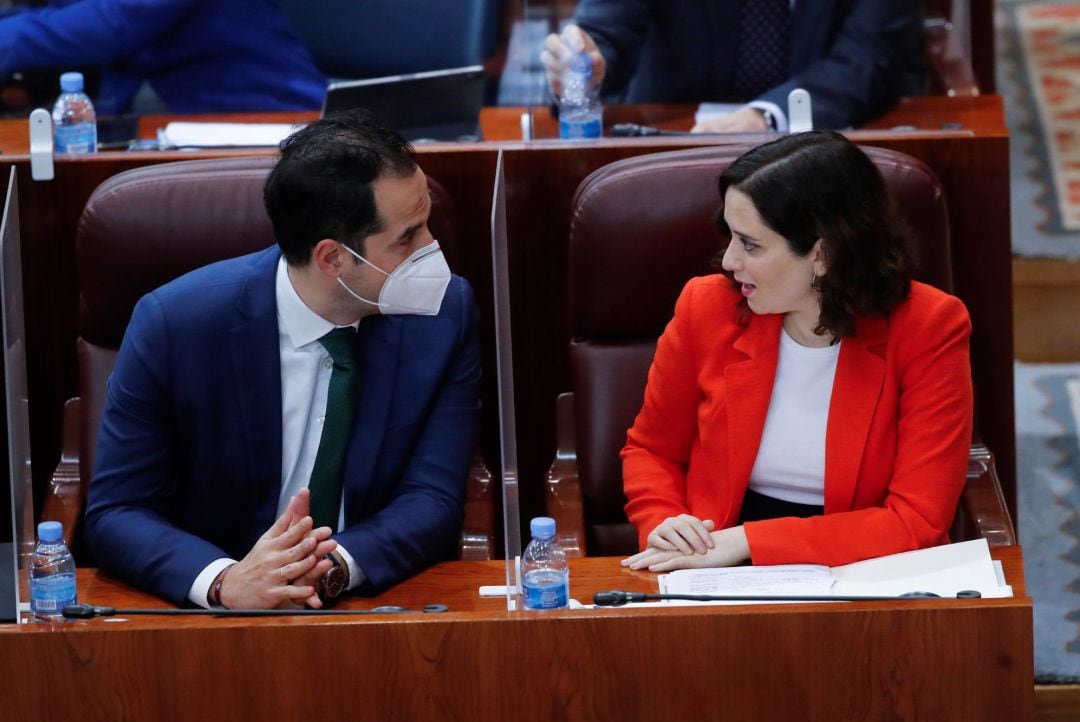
column 197, row 56
column 855, row 57
column 812, row 403
column 286, row 425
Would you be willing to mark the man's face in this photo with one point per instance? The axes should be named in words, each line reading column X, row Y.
column 404, row 206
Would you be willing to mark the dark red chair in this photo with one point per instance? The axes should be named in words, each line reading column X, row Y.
column 143, row 228
column 640, row 228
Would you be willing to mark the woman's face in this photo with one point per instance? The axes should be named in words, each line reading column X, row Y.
column 774, row 279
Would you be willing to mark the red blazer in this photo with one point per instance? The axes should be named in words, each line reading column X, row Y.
column 896, row 444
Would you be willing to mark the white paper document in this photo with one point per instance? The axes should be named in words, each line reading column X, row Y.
column 943, row 570
column 223, row 135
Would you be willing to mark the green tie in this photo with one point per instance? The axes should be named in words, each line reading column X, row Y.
column 328, row 472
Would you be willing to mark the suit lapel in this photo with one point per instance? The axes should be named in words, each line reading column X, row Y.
column 860, row 373
column 748, row 385
column 257, row 382
column 380, row 347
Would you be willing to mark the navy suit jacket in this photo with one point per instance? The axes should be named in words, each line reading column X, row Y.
column 188, row 466
column 855, row 57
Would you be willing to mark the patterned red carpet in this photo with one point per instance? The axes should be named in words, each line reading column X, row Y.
column 1039, row 75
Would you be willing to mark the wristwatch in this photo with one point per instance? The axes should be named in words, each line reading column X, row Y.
column 768, row 117
column 334, row 581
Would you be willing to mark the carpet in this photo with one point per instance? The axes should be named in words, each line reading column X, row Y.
column 1038, row 74
column 1048, row 502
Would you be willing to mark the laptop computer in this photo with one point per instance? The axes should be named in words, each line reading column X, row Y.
column 430, row 106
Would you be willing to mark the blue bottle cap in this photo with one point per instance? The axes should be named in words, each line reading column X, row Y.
column 50, row 531
column 581, row 63
column 71, row 82
column 542, row 527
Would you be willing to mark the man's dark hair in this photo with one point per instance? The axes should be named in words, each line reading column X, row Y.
column 819, row 184
column 321, row 186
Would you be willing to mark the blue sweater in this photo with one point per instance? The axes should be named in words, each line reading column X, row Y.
column 200, row 56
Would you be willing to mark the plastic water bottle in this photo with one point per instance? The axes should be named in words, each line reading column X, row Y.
column 52, row 574
column 74, row 120
column 581, row 115
column 544, row 571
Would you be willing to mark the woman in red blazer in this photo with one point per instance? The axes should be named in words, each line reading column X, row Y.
column 817, row 265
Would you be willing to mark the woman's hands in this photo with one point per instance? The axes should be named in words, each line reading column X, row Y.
column 690, row 543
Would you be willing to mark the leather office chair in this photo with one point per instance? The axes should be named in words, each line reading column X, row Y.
column 143, row 228
column 626, row 271
column 351, row 39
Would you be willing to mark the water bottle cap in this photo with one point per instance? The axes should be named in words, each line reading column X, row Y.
column 71, row 82
column 581, row 64
column 542, row 527
column 50, row 531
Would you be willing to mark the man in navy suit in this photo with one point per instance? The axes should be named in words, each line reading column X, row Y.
column 345, row 359
column 855, row 57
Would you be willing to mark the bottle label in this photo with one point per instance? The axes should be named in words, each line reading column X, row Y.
column 49, row 595
column 550, row 591
column 78, row 138
column 575, row 129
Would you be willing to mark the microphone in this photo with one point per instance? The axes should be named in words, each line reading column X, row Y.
column 90, row 611
column 633, row 130
column 616, row 598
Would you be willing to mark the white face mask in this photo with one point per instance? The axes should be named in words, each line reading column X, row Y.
column 416, row 286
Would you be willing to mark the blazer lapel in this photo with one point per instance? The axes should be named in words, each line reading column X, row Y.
column 748, row 389
column 257, row 384
column 860, row 373
column 380, row 347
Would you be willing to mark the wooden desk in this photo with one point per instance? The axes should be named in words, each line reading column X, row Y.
column 972, row 163
column 950, row 660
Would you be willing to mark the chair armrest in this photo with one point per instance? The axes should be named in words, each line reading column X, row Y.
column 563, row 492
column 982, row 511
column 66, row 495
column 951, row 72
column 477, row 541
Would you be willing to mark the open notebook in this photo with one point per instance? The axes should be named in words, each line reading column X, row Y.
column 943, row 570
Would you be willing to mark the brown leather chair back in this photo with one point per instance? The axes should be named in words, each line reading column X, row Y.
column 144, row 227
column 640, row 228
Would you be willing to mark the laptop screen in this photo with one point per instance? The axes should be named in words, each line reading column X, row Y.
column 16, row 498
column 437, row 105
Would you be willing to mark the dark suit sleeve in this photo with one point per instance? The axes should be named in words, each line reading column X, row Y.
column 135, row 480
column 619, row 28
column 423, row 518
column 90, row 32
column 875, row 58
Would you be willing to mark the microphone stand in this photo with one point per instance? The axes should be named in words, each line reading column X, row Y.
column 89, row 611
column 616, row 598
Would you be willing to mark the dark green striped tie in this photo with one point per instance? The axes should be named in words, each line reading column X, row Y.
column 328, row 472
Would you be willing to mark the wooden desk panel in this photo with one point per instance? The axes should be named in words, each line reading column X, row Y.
column 927, row 660
column 972, row 163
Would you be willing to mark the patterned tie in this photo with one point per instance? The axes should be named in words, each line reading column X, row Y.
column 764, row 47
column 328, row 473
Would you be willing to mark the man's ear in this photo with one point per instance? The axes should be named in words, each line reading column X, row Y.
column 329, row 257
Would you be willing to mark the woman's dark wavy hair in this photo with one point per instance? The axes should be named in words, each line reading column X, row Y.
column 322, row 185
column 819, row 184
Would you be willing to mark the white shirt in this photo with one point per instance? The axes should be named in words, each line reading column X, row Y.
column 790, row 463
column 305, row 381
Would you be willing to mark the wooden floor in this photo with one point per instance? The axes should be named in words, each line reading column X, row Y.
column 1046, row 310
column 1057, row 703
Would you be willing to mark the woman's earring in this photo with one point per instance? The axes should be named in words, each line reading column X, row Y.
column 814, row 279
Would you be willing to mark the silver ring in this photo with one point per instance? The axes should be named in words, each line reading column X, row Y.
column 281, row 573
